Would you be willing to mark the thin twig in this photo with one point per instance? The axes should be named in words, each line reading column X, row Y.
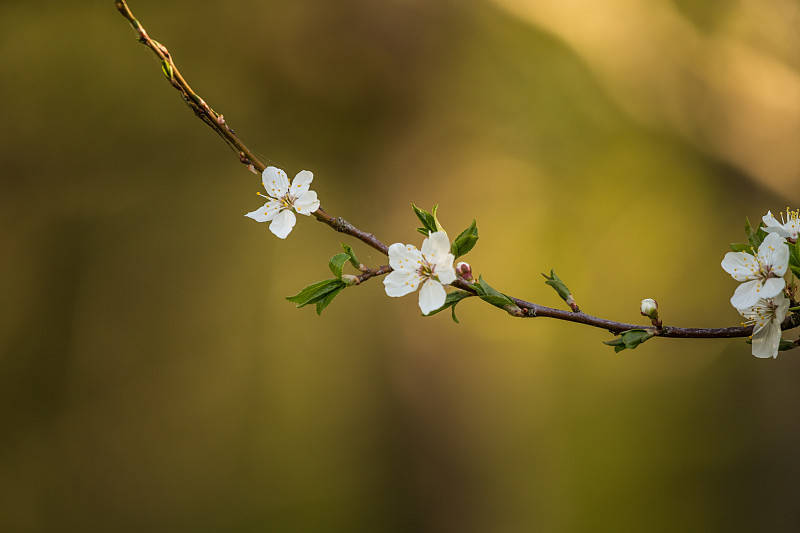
column 522, row 308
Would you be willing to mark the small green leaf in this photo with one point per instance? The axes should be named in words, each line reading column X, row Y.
column 616, row 343
column 326, row 301
column 166, row 68
column 629, row 340
column 351, row 255
column 794, row 309
column 794, row 254
column 465, row 241
column 488, row 294
column 316, row 292
column 740, row 247
column 787, row 345
column 795, row 270
column 634, row 337
column 337, row 263
column 429, row 223
column 451, row 301
column 436, row 223
column 754, row 236
column 559, row 286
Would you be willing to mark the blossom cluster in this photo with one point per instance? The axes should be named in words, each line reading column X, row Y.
column 761, row 298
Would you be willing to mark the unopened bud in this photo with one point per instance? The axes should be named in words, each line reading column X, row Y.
column 349, row 279
column 650, row 308
column 464, row 271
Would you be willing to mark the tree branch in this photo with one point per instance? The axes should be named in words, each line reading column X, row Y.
column 522, row 308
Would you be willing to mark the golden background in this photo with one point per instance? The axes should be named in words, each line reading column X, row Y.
column 153, row 378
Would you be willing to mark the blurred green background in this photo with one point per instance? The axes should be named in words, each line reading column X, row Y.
column 153, row 378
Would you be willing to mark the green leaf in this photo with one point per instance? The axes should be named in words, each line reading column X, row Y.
column 786, row 345
column 166, row 68
column 794, row 254
column 436, row 223
column 429, row 222
column 740, row 247
column 451, row 301
column 465, row 241
column 559, row 286
column 488, row 294
column 326, row 301
column 337, row 263
column 351, row 256
column 795, row 270
column 794, row 309
column 755, row 237
column 316, row 292
column 629, row 340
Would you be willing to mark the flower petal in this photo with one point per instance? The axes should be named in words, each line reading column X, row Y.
column 436, row 247
column 431, row 296
column 782, row 307
column 266, row 212
column 767, row 341
column 770, row 220
column 741, row 265
column 282, row 224
column 404, row 257
column 774, row 252
column 301, row 183
column 275, row 182
column 771, row 288
column 746, row 294
column 792, row 228
column 444, row 270
column 401, row 282
column 307, row 203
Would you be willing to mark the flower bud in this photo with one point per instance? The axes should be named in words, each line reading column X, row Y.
column 464, row 271
column 650, row 308
column 349, row 279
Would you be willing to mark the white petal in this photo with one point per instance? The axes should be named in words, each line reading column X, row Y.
column 782, row 303
column 404, row 257
column 266, row 212
column 767, row 341
column 275, row 182
column 307, row 203
column 770, row 221
column 775, row 252
column 431, row 296
column 400, row 283
column 436, row 247
column 301, row 183
column 282, row 224
column 444, row 270
column 792, row 228
column 741, row 265
column 746, row 294
column 771, row 288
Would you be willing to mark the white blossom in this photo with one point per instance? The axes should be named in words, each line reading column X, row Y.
column 762, row 275
column 766, row 317
column 787, row 227
column 284, row 200
column 431, row 268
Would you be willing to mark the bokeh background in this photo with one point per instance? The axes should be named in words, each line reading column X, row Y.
column 153, row 378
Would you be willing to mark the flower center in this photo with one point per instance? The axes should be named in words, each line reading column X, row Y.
column 426, row 270
column 761, row 313
column 791, row 222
